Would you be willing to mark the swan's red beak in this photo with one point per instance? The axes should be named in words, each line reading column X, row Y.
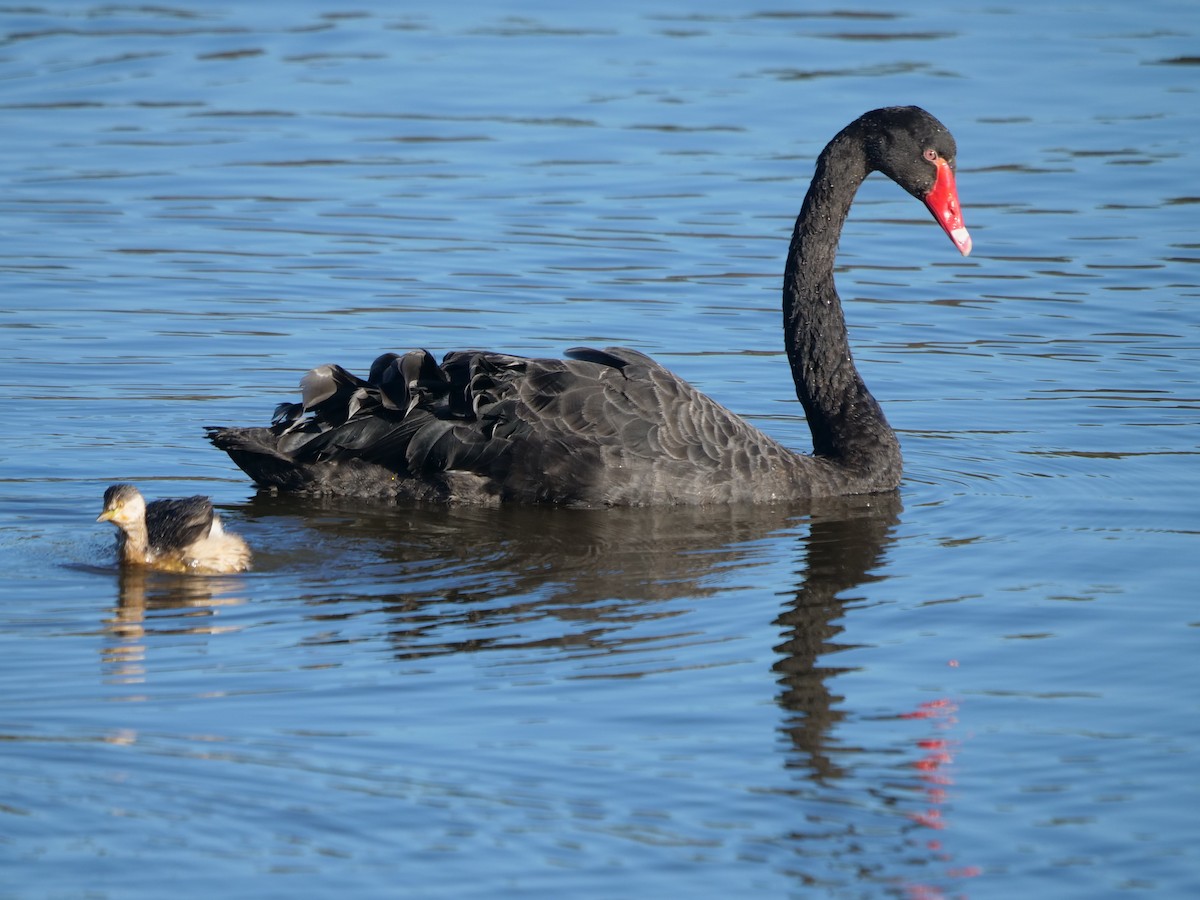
column 942, row 201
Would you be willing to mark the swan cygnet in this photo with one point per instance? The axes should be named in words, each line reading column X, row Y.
column 180, row 535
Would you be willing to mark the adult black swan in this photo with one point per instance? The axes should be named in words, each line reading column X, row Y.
column 613, row 427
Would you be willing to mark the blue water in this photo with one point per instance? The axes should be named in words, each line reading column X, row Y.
column 982, row 687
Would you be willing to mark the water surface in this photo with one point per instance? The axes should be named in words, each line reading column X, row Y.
column 983, row 686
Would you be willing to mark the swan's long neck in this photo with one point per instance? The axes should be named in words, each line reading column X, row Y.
column 847, row 425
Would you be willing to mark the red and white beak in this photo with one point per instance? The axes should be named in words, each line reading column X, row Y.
column 942, row 201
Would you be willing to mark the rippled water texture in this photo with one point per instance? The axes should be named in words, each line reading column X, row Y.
column 984, row 686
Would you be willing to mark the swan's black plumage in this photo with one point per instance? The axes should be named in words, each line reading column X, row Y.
column 612, row 426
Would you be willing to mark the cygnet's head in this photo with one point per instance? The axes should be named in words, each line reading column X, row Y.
column 123, row 506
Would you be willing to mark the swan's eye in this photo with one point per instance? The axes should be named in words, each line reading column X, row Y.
column 931, row 155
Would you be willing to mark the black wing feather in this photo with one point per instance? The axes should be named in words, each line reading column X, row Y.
column 177, row 524
column 599, row 426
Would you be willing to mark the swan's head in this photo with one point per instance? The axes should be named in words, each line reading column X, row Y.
column 917, row 152
column 123, row 506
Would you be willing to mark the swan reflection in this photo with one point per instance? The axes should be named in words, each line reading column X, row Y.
column 446, row 581
column 468, row 580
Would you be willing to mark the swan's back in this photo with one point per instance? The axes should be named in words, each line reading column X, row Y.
column 601, row 427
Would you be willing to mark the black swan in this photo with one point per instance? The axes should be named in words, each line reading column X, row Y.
column 613, row 427
column 183, row 535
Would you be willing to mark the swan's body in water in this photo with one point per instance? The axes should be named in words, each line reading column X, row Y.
column 613, row 427
column 183, row 535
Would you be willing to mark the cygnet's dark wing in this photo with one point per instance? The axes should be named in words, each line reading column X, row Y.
column 174, row 525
